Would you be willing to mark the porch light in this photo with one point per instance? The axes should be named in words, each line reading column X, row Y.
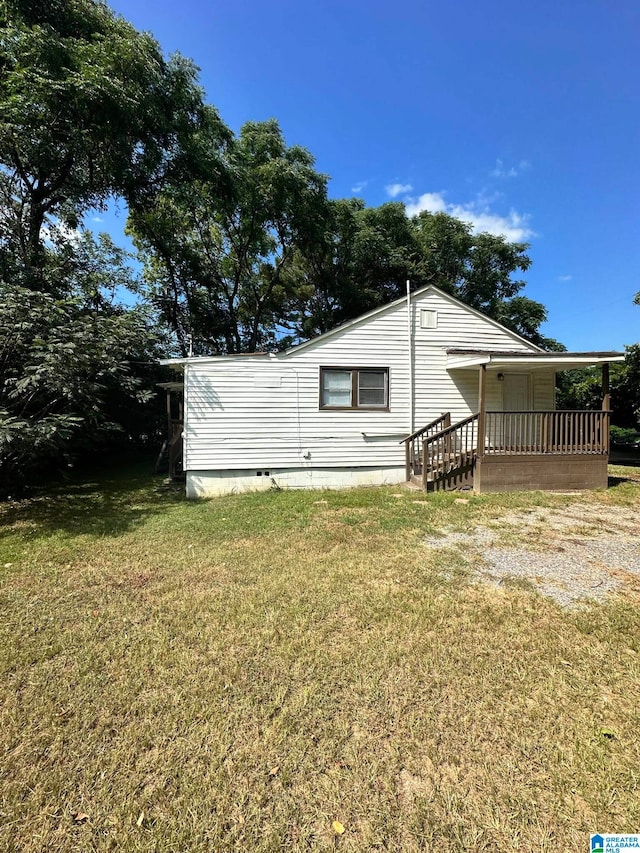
column 501, row 377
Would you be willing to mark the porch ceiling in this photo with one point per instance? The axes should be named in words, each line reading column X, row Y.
column 501, row 360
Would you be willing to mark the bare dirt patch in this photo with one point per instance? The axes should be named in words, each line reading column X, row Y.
column 568, row 553
column 410, row 786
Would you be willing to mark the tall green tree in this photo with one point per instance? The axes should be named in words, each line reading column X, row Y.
column 482, row 270
column 367, row 254
column 217, row 247
column 582, row 389
column 360, row 260
column 72, row 367
column 89, row 108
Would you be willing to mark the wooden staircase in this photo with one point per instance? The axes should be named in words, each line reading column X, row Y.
column 442, row 455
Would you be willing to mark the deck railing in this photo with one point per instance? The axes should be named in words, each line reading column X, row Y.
column 563, row 432
column 450, row 450
column 440, row 448
column 413, row 443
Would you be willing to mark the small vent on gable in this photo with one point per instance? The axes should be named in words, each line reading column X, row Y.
column 428, row 318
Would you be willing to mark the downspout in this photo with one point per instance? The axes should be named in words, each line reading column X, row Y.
column 410, row 347
column 185, row 398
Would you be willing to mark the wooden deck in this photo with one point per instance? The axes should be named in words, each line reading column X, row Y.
column 501, row 451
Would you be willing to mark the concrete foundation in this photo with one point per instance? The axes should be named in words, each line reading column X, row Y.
column 203, row 484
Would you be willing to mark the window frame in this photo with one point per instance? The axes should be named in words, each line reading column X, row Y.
column 355, row 389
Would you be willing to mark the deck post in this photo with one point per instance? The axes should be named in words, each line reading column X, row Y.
column 606, row 405
column 407, row 460
column 606, row 395
column 482, row 409
column 169, row 431
column 425, row 465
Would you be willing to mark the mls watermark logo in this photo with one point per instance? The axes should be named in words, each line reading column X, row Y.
column 615, row 843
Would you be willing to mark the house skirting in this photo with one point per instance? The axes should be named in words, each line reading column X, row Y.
column 203, row 484
column 519, row 472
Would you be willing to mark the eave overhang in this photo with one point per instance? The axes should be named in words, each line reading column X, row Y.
column 179, row 364
column 504, row 360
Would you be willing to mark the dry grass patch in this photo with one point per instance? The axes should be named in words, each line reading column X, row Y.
column 237, row 674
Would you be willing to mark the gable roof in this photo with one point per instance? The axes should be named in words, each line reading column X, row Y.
column 363, row 318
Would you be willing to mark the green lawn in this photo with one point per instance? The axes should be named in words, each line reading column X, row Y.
column 240, row 673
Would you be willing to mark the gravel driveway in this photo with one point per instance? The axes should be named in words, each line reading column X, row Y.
column 571, row 553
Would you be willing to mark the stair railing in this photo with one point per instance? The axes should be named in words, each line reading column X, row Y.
column 449, row 450
column 413, row 443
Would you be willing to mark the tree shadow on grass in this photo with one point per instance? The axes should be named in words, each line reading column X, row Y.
column 628, row 458
column 99, row 502
column 620, row 481
column 631, row 475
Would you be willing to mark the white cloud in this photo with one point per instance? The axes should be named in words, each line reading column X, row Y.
column 514, row 226
column 433, row 202
column 565, row 277
column 96, row 219
column 357, row 188
column 502, row 171
column 394, row 190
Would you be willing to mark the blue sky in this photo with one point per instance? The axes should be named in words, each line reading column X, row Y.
column 523, row 118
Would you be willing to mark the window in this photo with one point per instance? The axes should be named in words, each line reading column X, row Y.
column 354, row 388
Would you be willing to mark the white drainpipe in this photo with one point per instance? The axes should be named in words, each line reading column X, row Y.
column 410, row 345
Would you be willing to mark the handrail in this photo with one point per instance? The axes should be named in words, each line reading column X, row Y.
column 451, row 428
column 423, row 429
column 451, row 451
column 551, row 412
column 413, row 444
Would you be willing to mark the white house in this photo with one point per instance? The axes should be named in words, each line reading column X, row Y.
column 402, row 392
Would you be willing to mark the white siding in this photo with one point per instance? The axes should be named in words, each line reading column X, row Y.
column 232, row 419
column 263, row 413
column 437, row 390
